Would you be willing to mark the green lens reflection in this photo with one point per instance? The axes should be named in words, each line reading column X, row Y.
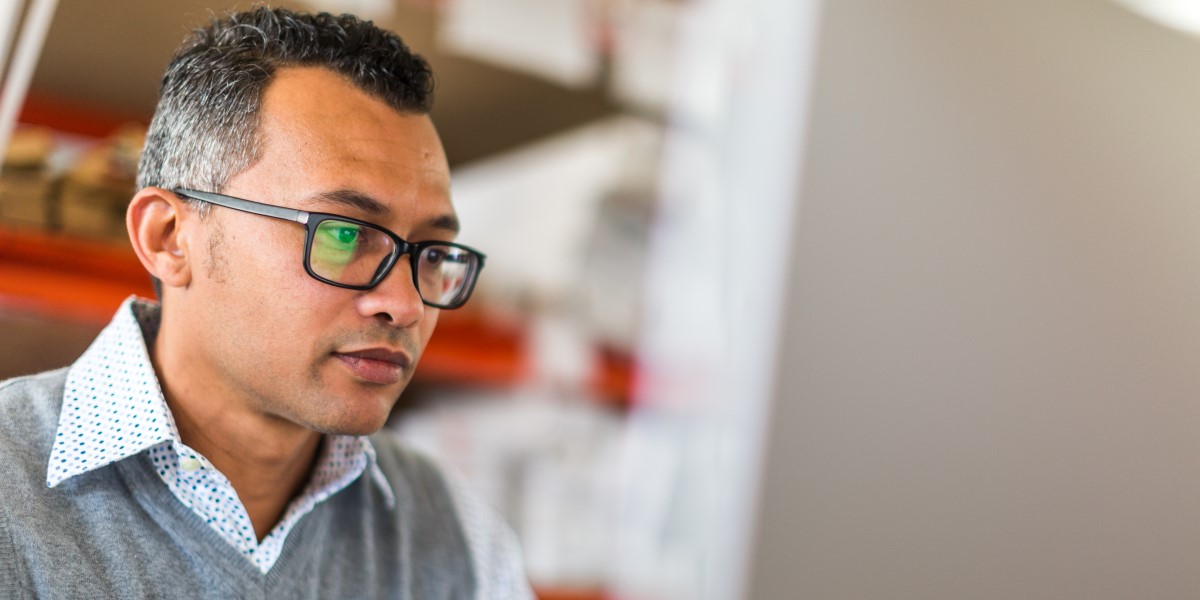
column 335, row 246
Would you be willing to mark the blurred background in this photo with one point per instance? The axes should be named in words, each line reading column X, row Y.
column 784, row 299
column 554, row 115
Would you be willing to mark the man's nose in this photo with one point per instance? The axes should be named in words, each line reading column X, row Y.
column 395, row 300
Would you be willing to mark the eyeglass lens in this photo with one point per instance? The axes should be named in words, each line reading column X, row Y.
column 348, row 253
column 442, row 273
column 353, row 254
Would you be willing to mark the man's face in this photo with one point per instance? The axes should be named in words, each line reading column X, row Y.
column 272, row 338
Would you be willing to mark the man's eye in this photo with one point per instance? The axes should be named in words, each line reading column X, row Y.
column 342, row 235
column 434, row 256
column 346, row 235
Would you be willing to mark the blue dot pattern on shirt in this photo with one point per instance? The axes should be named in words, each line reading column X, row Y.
column 113, row 409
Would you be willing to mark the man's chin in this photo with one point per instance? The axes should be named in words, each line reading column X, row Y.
column 356, row 426
column 354, row 414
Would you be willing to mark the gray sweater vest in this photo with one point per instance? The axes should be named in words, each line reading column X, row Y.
column 118, row 532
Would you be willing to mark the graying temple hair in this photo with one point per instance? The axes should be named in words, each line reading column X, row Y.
column 205, row 128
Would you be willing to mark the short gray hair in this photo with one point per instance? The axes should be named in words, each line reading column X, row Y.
column 205, row 128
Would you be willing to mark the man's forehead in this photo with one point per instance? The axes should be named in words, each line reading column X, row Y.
column 346, row 152
column 343, row 122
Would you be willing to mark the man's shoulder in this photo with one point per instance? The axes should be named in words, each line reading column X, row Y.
column 494, row 552
column 417, row 480
column 31, row 404
column 29, row 409
column 403, row 463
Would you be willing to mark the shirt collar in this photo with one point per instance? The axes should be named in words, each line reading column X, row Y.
column 113, row 407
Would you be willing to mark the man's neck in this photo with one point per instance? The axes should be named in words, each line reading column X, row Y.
column 266, row 459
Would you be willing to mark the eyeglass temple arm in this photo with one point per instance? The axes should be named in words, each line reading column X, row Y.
column 257, row 208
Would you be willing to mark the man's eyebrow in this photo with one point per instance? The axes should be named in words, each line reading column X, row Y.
column 375, row 208
column 355, row 200
column 447, row 222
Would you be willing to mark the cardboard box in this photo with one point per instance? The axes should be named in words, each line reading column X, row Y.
column 93, row 195
column 25, row 189
column 25, row 198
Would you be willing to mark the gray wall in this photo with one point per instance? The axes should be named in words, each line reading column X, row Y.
column 990, row 380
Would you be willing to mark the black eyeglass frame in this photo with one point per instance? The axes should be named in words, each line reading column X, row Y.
column 311, row 220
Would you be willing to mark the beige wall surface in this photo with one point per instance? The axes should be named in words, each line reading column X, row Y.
column 990, row 383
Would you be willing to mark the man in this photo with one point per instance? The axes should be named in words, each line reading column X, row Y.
column 294, row 211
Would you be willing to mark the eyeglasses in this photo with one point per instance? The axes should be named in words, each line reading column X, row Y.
column 357, row 255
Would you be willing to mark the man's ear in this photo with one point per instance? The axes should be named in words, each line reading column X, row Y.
column 155, row 221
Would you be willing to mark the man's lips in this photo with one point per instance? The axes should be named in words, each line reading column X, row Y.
column 375, row 365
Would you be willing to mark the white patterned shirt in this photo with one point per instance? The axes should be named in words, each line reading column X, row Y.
column 113, row 409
